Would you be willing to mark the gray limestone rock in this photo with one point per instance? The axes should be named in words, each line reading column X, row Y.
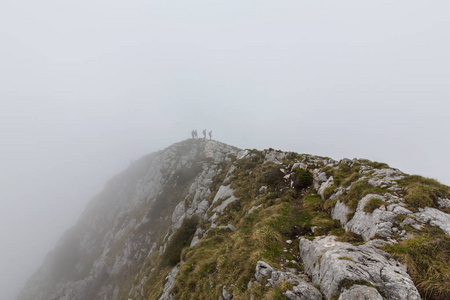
column 275, row 156
column 228, row 227
column 301, row 291
column 325, row 185
column 385, row 177
column 178, row 216
column 253, row 208
column 360, row 292
column 398, row 209
column 274, row 276
column 435, row 217
column 330, row 263
column 224, row 192
column 197, row 237
column 340, row 212
column 229, row 174
column 225, row 294
column 243, row 154
column 322, row 177
column 443, row 202
column 221, row 207
column 169, row 284
column 213, row 218
column 298, row 165
column 408, row 221
column 368, row 224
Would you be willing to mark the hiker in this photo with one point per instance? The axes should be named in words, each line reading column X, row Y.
column 192, row 133
column 204, row 134
column 210, row 134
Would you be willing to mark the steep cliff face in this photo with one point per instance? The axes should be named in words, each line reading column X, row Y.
column 205, row 220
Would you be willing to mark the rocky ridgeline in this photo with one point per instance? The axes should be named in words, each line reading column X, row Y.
column 117, row 249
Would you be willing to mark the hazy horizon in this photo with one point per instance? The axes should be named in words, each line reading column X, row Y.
column 88, row 86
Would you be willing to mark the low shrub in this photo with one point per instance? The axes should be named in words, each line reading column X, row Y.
column 272, row 176
column 181, row 238
column 304, row 179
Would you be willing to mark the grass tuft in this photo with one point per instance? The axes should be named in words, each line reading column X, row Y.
column 373, row 204
column 428, row 260
column 423, row 192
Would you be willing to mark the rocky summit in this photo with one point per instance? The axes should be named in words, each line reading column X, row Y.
column 205, row 220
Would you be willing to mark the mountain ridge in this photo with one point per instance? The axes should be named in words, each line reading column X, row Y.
column 205, row 220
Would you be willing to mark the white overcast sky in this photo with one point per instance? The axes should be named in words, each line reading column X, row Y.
column 86, row 86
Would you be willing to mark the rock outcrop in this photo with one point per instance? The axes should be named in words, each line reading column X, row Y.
column 301, row 290
column 214, row 211
column 116, row 232
column 334, row 265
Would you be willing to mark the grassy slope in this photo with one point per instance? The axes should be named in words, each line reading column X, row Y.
column 225, row 257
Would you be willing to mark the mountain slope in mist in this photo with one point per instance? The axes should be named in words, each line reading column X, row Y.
column 205, row 220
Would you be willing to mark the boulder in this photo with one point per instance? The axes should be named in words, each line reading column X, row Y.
column 340, row 212
column 226, row 294
column 221, row 208
column 385, row 177
column 368, row 224
column 325, row 185
column 322, row 177
column 334, row 265
column 360, row 292
column 224, row 192
column 301, row 290
column 435, row 217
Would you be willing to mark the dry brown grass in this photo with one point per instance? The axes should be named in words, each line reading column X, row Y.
column 428, row 261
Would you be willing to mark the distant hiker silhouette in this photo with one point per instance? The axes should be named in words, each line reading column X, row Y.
column 193, row 133
column 210, row 134
column 204, row 134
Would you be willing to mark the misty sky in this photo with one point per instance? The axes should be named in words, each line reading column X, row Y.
column 87, row 86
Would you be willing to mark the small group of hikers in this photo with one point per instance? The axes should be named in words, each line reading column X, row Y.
column 195, row 135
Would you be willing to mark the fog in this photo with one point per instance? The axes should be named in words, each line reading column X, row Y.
column 88, row 86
